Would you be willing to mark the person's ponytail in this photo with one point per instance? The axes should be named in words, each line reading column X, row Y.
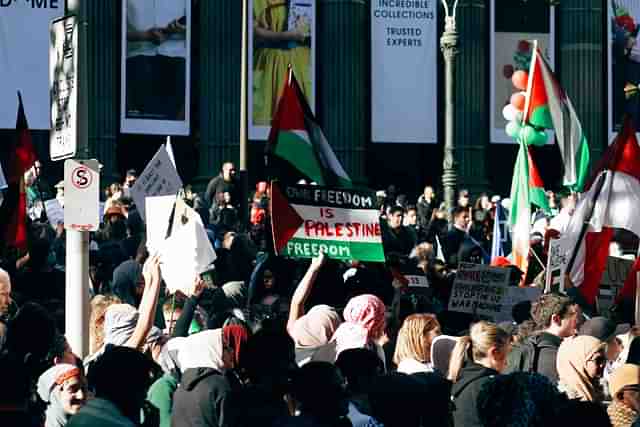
column 460, row 352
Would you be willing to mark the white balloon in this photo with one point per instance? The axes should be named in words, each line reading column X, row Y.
column 509, row 112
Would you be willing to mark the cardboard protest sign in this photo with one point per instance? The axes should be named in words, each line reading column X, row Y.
column 159, row 178
column 557, row 260
column 158, row 210
column 417, row 281
column 55, row 212
column 612, row 281
column 187, row 252
column 342, row 222
column 480, row 290
column 515, row 295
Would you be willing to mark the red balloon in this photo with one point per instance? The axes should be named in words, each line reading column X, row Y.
column 518, row 100
column 520, row 79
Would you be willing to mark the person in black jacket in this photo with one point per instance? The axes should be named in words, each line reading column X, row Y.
column 204, row 395
column 476, row 359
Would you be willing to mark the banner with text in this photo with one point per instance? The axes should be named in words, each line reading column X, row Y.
column 480, row 290
column 24, row 59
column 342, row 223
column 404, row 77
column 559, row 252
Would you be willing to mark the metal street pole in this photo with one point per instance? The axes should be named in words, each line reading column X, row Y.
column 449, row 47
column 77, row 242
column 244, row 178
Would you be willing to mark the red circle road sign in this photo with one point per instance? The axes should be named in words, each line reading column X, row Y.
column 81, row 177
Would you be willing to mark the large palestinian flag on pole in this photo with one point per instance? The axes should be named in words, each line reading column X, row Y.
column 343, row 223
column 548, row 106
column 297, row 148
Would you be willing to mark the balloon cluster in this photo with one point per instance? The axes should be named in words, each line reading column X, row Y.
column 514, row 111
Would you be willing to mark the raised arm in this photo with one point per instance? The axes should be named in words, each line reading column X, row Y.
column 147, row 309
column 303, row 290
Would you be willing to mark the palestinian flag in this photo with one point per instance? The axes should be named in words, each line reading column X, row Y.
column 526, row 188
column 297, row 148
column 549, row 107
column 17, row 157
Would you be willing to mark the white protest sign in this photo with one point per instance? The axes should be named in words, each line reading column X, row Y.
column 159, row 211
column 55, row 212
column 159, row 178
column 63, row 87
column 187, row 252
column 81, row 194
column 417, row 281
column 480, row 290
column 557, row 261
column 612, row 281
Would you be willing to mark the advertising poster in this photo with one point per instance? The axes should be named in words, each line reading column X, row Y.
column 24, row 59
column 155, row 67
column 343, row 223
column 623, row 60
column 280, row 33
column 404, row 71
column 514, row 27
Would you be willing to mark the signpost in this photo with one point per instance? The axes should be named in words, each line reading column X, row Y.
column 63, row 86
column 343, row 223
column 81, row 197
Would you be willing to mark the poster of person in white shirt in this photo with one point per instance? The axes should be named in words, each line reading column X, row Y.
column 155, row 67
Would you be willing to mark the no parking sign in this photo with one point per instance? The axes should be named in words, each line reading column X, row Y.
column 81, row 194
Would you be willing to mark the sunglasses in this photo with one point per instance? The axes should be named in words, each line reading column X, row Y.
column 600, row 360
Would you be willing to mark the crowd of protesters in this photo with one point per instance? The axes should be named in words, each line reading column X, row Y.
column 264, row 340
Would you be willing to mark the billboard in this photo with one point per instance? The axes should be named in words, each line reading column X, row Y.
column 514, row 27
column 155, row 67
column 623, row 60
column 404, row 72
column 24, row 59
column 280, row 33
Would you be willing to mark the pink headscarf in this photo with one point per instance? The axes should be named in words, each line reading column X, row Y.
column 364, row 322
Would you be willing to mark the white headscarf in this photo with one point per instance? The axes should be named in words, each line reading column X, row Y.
column 202, row 350
column 55, row 415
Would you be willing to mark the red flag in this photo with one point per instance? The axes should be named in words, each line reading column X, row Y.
column 13, row 215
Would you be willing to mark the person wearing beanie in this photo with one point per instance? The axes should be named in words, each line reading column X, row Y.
column 624, row 386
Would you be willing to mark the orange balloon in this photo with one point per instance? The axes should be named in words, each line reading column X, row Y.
column 518, row 100
column 520, row 79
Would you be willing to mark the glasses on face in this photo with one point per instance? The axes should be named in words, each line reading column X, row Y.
column 599, row 360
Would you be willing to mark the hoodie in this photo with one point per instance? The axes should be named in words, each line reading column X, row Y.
column 465, row 391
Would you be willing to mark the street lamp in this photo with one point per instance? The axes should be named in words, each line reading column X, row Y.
column 449, row 47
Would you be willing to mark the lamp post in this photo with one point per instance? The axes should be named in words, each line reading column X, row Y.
column 449, row 47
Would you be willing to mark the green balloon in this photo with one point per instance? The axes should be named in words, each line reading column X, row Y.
column 513, row 129
column 532, row 136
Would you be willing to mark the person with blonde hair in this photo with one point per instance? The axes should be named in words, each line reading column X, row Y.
column 413, row 348
column 99, row 305
column 476, row 359
column 581, row 361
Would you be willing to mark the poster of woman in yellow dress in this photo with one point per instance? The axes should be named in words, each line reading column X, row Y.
column 282, row 32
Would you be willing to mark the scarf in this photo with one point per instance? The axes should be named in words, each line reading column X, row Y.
column 235, row 337
column 364, row 323
column 573, row 354
column 202, row 350
column 48, row 391
column 315, row 328
column 120, row 321
column 621, row 415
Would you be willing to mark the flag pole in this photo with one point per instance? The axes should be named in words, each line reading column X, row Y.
column 244, row 179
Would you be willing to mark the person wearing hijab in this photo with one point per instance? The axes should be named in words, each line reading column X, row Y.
column 62, row 387
column 580, row 363
column 204, row 394
column 624, row 386
column 363, row 327
column 161, row 391
column 413, row 348
column 313, row 331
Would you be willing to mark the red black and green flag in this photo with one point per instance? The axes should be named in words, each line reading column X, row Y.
column 17, row 157
column 549, row 107
column 297, row 148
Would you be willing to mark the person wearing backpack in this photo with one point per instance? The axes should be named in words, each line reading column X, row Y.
column 556, row 317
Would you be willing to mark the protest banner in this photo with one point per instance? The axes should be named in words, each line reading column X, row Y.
column 159, row 178
column 55, row 212
column 341, row 222
column 612, row 281
column 480, row 290
column 417, row 281
column 187, row 252
column 556, row 265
